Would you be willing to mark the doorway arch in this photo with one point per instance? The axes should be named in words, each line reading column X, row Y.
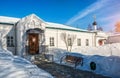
column 34, row 39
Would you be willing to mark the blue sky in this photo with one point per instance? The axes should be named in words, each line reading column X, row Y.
column 76, row 13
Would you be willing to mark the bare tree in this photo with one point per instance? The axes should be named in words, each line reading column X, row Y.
column 68, row 39
column 73, row 37
column 64, row 37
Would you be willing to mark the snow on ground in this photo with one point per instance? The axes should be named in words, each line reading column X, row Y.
column 105, row 50
column 17, row 67
column 107, row 58
column 108, row 66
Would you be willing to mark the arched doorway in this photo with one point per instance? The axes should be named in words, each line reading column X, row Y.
column 33, row 43
column 34, row 39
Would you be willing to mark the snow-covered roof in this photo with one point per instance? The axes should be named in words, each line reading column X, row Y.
column 33, row 15
column 11, row 20
column 61, row 26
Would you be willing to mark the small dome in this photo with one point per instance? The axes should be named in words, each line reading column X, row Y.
column 94, row 23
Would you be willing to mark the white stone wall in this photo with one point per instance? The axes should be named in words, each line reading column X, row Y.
column 49, row 32
column 8, row 30
column 56, row 33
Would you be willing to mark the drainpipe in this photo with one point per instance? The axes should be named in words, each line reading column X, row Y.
column 95, row 39
column 57, row 38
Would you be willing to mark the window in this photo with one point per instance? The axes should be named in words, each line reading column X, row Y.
column 87, row 42
column 78, row 42
column 10, row 41
column 69, row 42
column 100, row 42
column 51, row 41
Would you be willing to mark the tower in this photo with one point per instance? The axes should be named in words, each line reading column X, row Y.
column 94, row 23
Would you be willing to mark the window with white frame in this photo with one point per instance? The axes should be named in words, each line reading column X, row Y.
column 79, row 42
column 51, row 41
column 87, row 42
column 10, row 42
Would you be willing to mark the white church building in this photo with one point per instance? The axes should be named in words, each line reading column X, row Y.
column 29, row 35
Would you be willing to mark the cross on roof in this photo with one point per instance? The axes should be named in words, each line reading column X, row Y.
column 94, row 17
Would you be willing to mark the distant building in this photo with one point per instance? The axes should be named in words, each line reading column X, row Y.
column 29, row 35
column 113, row 38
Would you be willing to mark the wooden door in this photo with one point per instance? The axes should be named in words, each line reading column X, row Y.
column 33, row 43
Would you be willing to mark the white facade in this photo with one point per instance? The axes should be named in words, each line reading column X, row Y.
column 21, row 32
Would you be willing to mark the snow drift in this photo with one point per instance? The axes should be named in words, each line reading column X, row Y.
column 17, row 67
column 106, row 58
column 105, row 50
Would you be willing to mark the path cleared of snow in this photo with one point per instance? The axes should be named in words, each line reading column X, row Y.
column 107, row 58
column 17, row 67
column 63, row 71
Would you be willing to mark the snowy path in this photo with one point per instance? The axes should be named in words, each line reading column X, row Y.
column 62, row 71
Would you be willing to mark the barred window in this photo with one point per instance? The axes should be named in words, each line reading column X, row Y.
column 87, row 42
column 51, row 41
column 10, row 42
column 78, row 42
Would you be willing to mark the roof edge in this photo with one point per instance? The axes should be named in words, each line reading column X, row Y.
column 69, row 29
column 6, row 23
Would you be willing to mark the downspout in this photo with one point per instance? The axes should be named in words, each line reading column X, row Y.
column 57, row 38
column 93, row 42
column 95, row 39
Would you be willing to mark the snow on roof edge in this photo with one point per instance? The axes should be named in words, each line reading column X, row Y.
column 62, row 26
column 6, row 19
column 13, row 20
